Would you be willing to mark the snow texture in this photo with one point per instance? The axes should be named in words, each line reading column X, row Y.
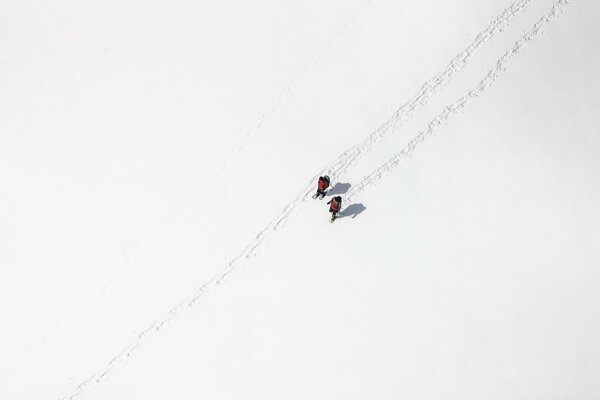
column 343, row 162
column 137, row 157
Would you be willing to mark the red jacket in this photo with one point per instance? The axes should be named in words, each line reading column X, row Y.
column 323, row 184
column 335, row 206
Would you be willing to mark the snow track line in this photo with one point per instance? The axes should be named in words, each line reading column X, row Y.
column 335, row 169
column 274, row 224
column 299, row 73
column 460, row 104
column 192, row 300
column 427, row 90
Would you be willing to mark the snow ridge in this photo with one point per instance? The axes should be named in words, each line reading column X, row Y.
column 461, row 103
column 335, row 169
column 427, row 90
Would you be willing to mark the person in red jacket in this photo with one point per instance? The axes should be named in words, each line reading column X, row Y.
column 322, row 187
column 335, row 206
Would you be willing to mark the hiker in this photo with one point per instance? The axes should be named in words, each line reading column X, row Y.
column 335, row 205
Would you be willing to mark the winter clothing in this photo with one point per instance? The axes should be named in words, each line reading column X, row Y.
column 335, row 205
column 323, row 185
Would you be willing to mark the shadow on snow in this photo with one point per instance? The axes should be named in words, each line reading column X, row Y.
column 352, row 210
column 338, row 189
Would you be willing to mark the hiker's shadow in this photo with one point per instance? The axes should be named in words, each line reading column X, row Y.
column 338, row 188
column 353, row 210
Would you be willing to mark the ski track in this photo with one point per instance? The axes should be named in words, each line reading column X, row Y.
column 335, row 169
column 188, row 197
column 427, row 90
column 299, row 73
column 460, row 104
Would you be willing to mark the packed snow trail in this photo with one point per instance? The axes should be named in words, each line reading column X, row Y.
column 335, row 169
column 428, row 89
column 105, row 276
column 461, row 103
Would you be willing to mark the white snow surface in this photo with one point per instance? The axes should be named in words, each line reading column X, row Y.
column 158, row 239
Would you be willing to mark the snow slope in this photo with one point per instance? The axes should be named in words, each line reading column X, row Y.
column 158, row 239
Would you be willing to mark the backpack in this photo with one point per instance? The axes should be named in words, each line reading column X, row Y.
column 323, row 182
column 336, row 203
